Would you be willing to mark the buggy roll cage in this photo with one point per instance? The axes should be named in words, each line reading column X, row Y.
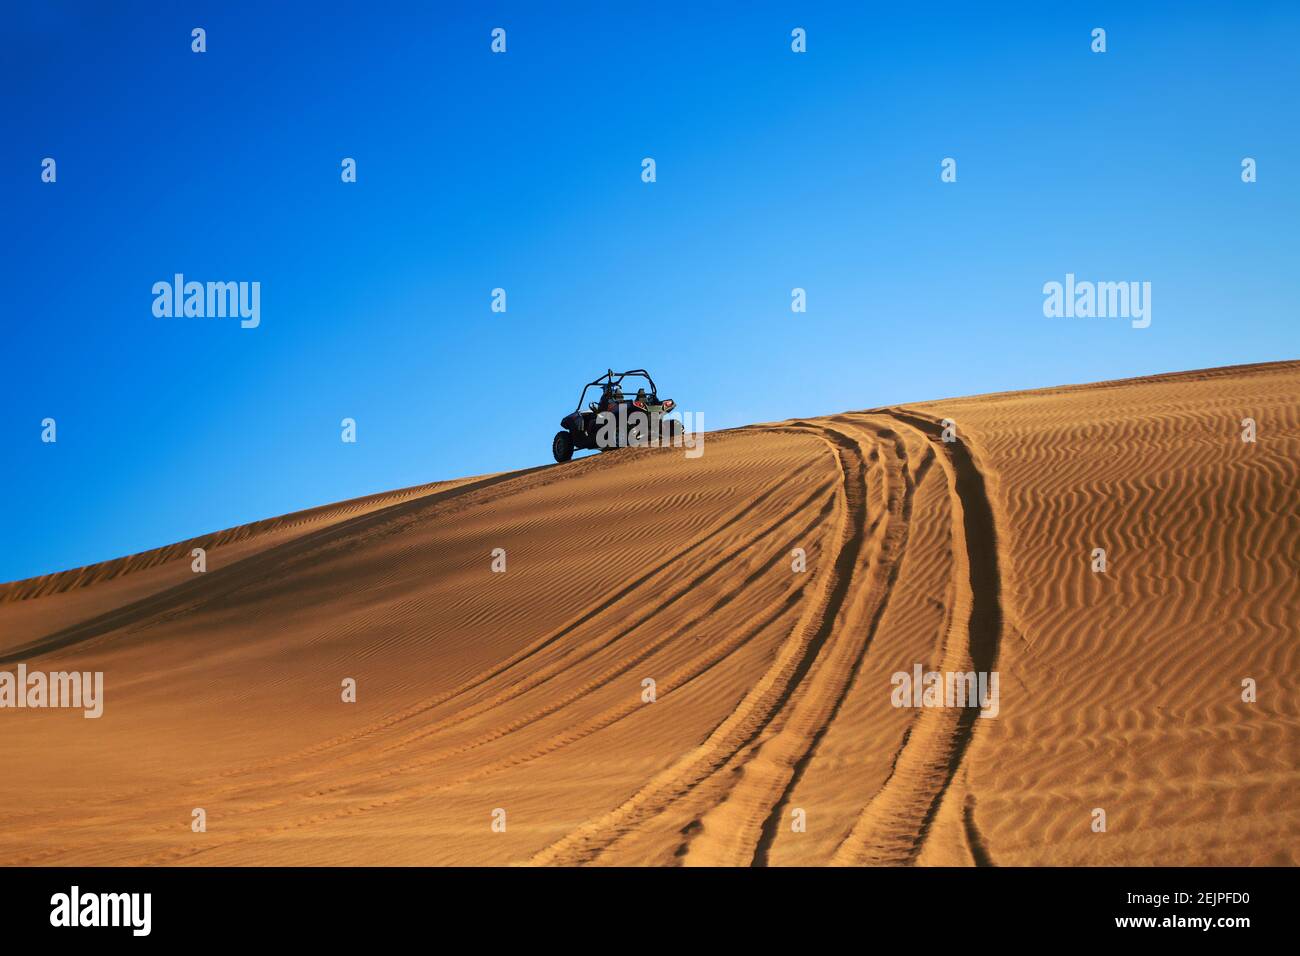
column 611, row 379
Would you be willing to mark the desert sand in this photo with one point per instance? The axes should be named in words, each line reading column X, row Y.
column 772, row 737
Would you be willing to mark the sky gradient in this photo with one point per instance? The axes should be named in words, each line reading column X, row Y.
column 522, row 171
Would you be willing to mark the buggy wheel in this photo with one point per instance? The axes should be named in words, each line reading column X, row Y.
column 562, row 446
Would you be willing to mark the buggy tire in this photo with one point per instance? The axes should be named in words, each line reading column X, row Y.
column 562, row 446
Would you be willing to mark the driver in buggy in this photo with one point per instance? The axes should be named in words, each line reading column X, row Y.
column 610, row 397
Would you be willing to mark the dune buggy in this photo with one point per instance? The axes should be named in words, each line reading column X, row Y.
column 617, row 419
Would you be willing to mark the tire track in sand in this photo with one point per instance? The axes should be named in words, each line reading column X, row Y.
column 770, row 695
column 741, row 825
column 895, row 823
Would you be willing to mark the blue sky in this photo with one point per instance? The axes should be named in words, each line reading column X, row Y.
column 775, row 170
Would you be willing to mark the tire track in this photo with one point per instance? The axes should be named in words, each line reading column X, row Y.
column 740, row 828
column 770, row 695
column 894, row 825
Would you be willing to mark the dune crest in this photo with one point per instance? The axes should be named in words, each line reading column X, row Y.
column 693, row 661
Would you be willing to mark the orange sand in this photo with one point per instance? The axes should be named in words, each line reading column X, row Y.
column 523, row 690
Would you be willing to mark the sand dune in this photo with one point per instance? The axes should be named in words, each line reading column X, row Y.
column 773, row 738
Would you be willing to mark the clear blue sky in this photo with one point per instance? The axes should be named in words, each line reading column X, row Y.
column 522, row 170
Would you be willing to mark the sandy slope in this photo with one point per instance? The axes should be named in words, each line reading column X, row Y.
column 524, row 690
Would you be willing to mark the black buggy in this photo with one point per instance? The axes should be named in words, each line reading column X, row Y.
column 617, row 418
